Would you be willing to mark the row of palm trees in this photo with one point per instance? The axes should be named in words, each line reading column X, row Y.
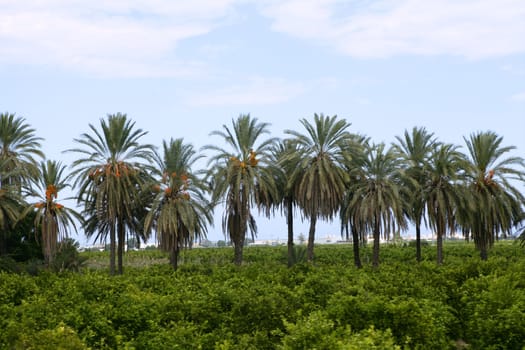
column 125, row 187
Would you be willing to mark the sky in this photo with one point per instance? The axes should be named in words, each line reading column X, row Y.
column 185, row 68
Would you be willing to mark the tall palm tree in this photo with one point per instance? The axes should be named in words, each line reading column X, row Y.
column 18, row 147
column 180, row 212
column 415, row 148
column 498, row 203
column 445, row 197
column 109, row 175
column 285, row 159
column 376, row 202
column 53, row 218
column 241, row 177
column 320, row 175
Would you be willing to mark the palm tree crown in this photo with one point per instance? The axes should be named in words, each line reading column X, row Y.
column 18, row 147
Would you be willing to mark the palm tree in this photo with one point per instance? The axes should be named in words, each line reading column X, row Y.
column 415, row 149
column 53, row 218
column 349, row 214
column 11, row 204
column 18, row 147
column 497, row 202
column 321, row 176
column 377, row 204
column 285, row 159
column 443, row 192
column 179, row 212
column 241, row 178
column 109, row 175
column 350, row 221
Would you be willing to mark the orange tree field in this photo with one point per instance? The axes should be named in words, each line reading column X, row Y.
column 211, row 304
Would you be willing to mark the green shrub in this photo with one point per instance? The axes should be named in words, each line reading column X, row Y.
column 371, row 339
column 8, row 264
column 315, row 331
column 211, row 304
column 60, row 338
column 494, row 311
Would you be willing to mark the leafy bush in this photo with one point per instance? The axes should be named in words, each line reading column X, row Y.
column 60, row 338
column 8, row 264
column 315, row 331
column 494, row 311
column 211, row 304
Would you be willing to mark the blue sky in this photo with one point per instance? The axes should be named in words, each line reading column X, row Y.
column 184, row 68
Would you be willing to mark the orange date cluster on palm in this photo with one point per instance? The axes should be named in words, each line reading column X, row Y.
column 252, row 161
column 41, row 205
column 51, row 192
column 117, row 169
column 488, row 179
column 175, row 186
column 178, row 194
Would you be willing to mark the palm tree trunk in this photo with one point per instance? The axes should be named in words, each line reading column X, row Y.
column 440, row 248
column 289, row 221
column 375, row 255
column 3, row 243
column 483, row 253
column 239, row 238
column 174, row 256
column 112, row 250
column 418, row 241
column 355, row 243
column 238, row 249
column 311, row 239
column 120, row 247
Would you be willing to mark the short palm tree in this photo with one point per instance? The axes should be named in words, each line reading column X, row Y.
column 179, row 212
column 240, row 177
column 53, row 218
column 321, row 176
column 415, row 148
column 109, row 175
column 497, row 202
column 376, row 202
column 444, row 193
column 18, row 147
column 285, row 158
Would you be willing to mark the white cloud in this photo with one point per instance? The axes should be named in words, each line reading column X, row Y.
column 255, row 91
column 142, row 37
column 115, row 38
column 473, row 29
column 518, row 97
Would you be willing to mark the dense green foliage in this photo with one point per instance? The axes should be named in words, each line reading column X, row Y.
column 210, row 303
